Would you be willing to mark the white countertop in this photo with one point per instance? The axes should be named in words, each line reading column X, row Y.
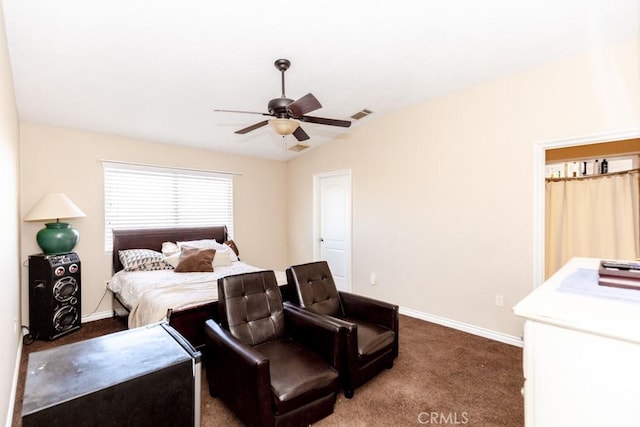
column 563, row 301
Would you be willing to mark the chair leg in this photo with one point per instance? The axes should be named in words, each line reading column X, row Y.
column 348, row 393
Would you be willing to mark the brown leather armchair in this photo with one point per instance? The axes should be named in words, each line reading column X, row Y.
column 270, row 364
column 370, row 326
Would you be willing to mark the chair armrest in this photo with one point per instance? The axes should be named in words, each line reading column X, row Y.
column 322, row 334
column 237, row 372
column 369, row 309
column 372, row 310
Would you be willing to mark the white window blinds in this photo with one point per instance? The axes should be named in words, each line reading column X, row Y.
column 140, row 196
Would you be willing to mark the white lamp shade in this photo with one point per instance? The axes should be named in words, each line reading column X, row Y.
column 54, row 206
column 284, row 126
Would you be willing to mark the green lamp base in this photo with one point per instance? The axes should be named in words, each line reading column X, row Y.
column 57, row 238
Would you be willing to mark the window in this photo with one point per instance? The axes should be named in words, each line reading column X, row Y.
column 138, row 196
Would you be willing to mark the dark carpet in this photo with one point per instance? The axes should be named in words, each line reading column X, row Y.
column 441, row 377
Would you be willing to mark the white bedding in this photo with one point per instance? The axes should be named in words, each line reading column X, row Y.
column 149, row 294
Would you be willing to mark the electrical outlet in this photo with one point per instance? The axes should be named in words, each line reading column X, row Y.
column 373, row 279
column 106, row 284
column 499, row 300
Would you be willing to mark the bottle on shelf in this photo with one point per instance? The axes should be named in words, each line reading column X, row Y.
column 604, row 166
column 574, row 170
column 596, row 167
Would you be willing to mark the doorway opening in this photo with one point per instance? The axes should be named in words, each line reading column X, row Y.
column 594, row 145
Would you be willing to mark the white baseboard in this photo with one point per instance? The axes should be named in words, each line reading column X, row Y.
column 14, row 385
column 465, row 327
column 97, row 316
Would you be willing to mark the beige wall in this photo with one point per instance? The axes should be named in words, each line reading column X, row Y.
column 57, row 159
column 443, row 193
column 9, row 250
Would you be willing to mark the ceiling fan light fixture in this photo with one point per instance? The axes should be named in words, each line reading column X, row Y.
column 284, row 126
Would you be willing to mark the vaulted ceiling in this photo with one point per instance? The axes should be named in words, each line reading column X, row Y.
column 157, row 70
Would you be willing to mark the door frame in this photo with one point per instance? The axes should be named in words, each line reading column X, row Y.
column 316, row 215
column 539, row 202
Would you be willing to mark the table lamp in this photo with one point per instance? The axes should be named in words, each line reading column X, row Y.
column 57, row 237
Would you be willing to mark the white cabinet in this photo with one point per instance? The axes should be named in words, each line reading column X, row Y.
column 581, row 353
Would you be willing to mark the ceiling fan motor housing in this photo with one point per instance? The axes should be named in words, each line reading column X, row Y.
column 278, row 107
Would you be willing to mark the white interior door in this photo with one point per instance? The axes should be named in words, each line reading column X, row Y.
column 332, row 198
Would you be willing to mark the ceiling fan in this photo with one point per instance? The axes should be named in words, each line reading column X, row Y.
column 287, row 113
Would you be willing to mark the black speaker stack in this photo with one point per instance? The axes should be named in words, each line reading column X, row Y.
column 54, row 295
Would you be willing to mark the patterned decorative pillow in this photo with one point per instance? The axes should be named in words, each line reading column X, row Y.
column 143, row 260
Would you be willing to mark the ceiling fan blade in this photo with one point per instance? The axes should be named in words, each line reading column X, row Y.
column 304, row 105
column 325, row 121
column 300, row 134
column 252, row 127
column 243, row 112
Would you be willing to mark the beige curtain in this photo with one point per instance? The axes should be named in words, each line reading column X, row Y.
column 594, row 217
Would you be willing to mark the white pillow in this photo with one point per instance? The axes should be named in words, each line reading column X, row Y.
column 169, row 248
column 210, row 244
column 173, row 259
column 232, row 255
column 227, row 250
column 200, row 244
column 221, row 258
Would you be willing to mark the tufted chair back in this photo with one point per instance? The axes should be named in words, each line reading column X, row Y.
column 250, row 307
column 316, row 289
column 370, row 326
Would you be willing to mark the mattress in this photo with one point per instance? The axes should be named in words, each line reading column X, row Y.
column 148, row 295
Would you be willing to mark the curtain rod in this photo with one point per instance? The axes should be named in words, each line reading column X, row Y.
column 593, row 176
column 121, row 162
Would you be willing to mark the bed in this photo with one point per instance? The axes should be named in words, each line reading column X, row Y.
column 185, row 300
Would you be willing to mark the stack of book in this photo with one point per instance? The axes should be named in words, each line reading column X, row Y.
column 619, row 274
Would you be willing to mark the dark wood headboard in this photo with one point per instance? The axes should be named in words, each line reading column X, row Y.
column 152, row 238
